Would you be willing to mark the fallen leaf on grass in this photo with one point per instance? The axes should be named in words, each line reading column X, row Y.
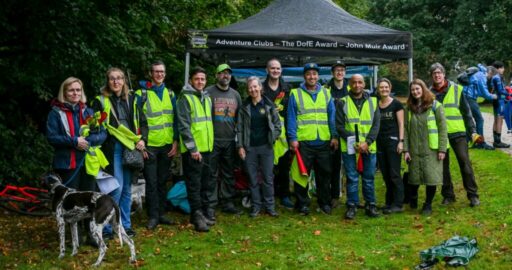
column 317, row 232
column 392, row 258
column 327, row 258
column 138, row 263
column 258, row 264
column 157, row 251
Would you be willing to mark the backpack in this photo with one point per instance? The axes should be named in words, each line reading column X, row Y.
column 463, row 78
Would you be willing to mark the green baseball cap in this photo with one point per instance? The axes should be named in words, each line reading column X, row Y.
column 223, row 67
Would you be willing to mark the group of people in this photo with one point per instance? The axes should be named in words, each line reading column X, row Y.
column 488, row 83
column 337, row 127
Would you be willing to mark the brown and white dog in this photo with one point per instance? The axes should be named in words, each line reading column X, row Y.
column 71, row 206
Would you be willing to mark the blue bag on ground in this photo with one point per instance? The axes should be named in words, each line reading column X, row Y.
column 177, row 195
column 456, row 251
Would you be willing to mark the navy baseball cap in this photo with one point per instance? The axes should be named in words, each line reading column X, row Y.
column 310, row 66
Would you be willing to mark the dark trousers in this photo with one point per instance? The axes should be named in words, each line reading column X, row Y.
column 319, row 159
column 156, row 174
column 222, row 165
column 260, row 159
column 389, row 164
column 198, row 180
column 460, row 148
column 282, row 176
column 430, row 192
column 335, row 175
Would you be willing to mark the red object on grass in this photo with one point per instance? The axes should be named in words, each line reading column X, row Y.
column 302, row 168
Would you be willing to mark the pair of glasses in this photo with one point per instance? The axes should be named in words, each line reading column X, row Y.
column 112, row 79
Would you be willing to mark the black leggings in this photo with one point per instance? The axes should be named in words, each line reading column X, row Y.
column 430, row 191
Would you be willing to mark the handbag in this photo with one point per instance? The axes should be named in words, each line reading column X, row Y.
column 132, row 158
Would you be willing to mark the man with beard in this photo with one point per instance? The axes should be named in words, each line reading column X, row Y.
column 275, row 89
column 226, row 103
column 311, row 131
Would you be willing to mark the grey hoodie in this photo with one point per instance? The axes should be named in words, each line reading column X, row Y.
column 184, row 117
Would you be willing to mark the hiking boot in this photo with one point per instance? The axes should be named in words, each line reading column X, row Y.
column 152, row 223
column 198, row 220
column 426, row 210
column 166, row 221
column 474, row 201
column 371, row 210
column 351, row 212
column 393, row 209
column 254, row 212
column 130, row 232
column 286, row 202
column 304, row 211
column 209, row 214
column 231, row 209
column 326, row 209
column 272, row 213
column 447, row 201
column 107, row 236
column 500, row 145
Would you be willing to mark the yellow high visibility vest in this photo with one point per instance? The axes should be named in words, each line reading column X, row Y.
column 160, row 117
column 451, row 102
column 201, row 126
column 364, row 120
column 312, row 118
column 281, row 144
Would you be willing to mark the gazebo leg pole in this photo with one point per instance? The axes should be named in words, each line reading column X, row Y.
column 410, row 69
column 187, row 67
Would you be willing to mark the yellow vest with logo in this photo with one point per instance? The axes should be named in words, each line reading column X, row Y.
column 364, row 120
column 281, row 144
column 312, row 118
column 160, row 117
column 451, row 102
column 201, row 125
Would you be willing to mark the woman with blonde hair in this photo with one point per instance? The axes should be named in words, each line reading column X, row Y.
column 68, row 114
column 118, row 103
column 425, row 142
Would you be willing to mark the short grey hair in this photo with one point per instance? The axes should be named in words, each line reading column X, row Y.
column 435, row 66
column 254, row 78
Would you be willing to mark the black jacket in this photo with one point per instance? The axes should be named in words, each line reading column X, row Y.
column 243, row 130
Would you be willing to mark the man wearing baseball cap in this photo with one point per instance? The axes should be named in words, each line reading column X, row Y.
column 311, row 131
column 225, row 102
column 339, row 88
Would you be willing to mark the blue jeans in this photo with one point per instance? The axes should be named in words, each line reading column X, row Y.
column 368, row 177
column 123, row 195
column 477, row 115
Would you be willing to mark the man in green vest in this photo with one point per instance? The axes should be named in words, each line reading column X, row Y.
column 195, row 127
column 459, row 122
column 311, row 131
column 361, row 110
column 157, row 103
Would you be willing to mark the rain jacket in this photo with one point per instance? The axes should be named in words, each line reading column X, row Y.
column 63, row 140
column 478, row 85
column 243, row 130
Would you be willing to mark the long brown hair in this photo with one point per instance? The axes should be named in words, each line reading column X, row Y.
column 426, row 99
column 106, row 91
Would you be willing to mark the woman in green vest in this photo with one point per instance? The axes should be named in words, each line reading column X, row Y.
column 425, row 142
column 116, row 101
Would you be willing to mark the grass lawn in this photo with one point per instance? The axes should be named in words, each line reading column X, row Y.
column 294, row 242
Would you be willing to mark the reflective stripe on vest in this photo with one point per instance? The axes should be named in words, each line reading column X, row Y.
column 364, row 120
column 312, row 118
column 160, row 117
column 451, row 102
column 201, row 126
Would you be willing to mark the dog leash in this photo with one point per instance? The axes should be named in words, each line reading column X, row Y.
column 70, row 180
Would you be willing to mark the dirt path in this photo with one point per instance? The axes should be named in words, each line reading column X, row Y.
column 506, row 138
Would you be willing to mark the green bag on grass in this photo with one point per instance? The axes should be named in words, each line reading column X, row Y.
column 456, row 251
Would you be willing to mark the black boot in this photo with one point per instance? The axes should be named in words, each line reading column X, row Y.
column 199, row 221
column 371, row 210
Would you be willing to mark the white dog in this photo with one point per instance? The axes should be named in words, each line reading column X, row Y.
column 71, row 206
